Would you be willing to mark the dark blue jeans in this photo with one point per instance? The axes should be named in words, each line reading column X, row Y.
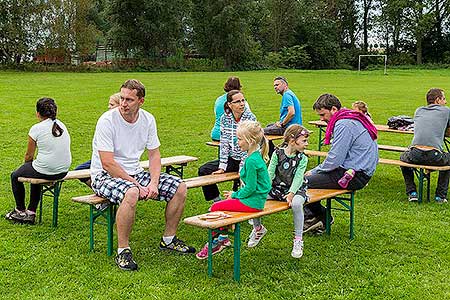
column 329, row 180
column 430, row 158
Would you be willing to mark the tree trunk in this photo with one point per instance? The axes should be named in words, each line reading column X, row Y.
column 419, row 50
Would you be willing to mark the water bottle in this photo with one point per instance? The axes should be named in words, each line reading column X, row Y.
column 345, row 180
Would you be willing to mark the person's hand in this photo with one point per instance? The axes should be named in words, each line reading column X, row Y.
column 308, row 173
column 220, row 171
column 227, row 194
column 152, row 191
column 278, row 124
column 143, row 192
column 288, row 197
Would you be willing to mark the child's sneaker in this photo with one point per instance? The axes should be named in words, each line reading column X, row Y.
column 297, row 249
column 440, row 200
column 225, row 242
column 413, row 197
column 217, row 247
column 256, row 236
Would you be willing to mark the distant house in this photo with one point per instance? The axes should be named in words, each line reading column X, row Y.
column 52, row 56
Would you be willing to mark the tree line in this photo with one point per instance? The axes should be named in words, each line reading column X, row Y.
column 240, row 34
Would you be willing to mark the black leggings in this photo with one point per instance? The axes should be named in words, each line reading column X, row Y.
column 212, row 191
column 18, row 189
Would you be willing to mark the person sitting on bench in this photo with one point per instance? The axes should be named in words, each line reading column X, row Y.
column 121, row 136
column 354, row 146
column 431, row 123
column 52, row 162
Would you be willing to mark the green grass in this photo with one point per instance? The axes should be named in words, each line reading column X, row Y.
column 400, row 249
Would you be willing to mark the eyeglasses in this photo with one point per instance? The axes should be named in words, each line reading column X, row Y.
column 238, row 101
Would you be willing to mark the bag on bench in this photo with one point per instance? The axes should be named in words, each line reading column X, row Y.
column 401, row 122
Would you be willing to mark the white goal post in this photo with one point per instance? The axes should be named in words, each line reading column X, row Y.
column 380, row 55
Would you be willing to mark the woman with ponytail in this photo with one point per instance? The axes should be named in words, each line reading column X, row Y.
column 51, row 138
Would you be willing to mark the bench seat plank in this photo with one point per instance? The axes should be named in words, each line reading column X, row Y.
column 392, row 148
column 81, row 174
column 271, row 206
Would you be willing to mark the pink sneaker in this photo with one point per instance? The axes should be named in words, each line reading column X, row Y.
column 217, row 247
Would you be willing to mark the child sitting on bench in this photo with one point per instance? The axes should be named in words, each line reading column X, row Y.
column 255, row 182
column 286, row 169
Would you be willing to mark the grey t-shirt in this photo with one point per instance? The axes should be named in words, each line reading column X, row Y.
column 430, row 124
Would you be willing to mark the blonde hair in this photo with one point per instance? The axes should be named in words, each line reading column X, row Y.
column 253, row 134
column 362, row 107
column 116, row 98
column 293, row 132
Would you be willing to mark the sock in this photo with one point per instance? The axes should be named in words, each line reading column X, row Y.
column 30, row 212
column 119, row 250
column 168, row 239
column 258, row 228
column 297, row 238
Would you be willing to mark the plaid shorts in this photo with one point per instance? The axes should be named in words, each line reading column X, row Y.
column 114, row 189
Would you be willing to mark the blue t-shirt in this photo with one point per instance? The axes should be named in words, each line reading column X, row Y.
column 289, row 99
column 218, row 112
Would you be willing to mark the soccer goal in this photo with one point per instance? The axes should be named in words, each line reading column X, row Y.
column 368, row 55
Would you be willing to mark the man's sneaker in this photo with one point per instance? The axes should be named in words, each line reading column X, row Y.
column 125, row 261
column 413, row 197
column 20, row 217
column 312, row 224
column 218, row 246
column 297, row 249
column 177, row 246
column 440, row 200
column 256, row 236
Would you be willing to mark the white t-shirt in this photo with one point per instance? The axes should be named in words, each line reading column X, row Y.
column 53, row 152
column 126, row 140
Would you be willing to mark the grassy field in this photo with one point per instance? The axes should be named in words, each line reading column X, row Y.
column 400, row 250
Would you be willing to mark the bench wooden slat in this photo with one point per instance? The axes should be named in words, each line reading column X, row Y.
column 270, row 207
column 80, row 174
column 90, row 199
column 210, row 179
column 392, row 148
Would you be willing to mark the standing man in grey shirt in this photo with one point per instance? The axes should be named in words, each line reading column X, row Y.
column 431, row 124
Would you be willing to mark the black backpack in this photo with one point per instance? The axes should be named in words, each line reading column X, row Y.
column 397, row 122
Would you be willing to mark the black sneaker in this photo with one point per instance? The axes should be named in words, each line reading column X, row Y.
column 125, row 261
column 20, row 217
column 311, row 224
column 177, row 246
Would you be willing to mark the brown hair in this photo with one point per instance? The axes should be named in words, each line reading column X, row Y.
column 327, row 101
column 433, row 94
column 134, row 84
column 230, row 95
column 361, row 105
column 293, row 132
column 233, row 83
column 46, row 107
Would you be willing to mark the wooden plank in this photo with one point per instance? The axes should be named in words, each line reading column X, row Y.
column 80, row 174
column 392, row 148
column 269, row 137
column 210, row 179
column 270, row 207
column 379, row 127
column 385, row 161
column 89, row 199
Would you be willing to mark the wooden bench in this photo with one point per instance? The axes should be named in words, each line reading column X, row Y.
column 422, row 172
column 52, row 188
column 344, row 197
column 109, row 212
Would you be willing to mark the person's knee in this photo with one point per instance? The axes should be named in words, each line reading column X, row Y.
column 203, row 170
column 131, row 197
column 181, row 193
column 297, row 202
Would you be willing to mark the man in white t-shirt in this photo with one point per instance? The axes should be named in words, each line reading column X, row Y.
column 121, row 136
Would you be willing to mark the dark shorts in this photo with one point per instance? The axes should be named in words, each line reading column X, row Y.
column 114, row 189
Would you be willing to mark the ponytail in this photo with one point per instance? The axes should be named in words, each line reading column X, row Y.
column 56, row 129
column 265, row 149
column 46, row 107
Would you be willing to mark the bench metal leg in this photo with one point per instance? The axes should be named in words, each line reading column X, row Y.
column 56, row 192
column 109, row 214
column 41, row 196
column 91, row 227
column 349, row 205
column 320, row 143
column 237, row 252
column 210, row 245
column 176, row 170
column 110, row 218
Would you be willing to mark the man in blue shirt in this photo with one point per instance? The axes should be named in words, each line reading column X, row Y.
column 354, row 146
column 290, row 109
